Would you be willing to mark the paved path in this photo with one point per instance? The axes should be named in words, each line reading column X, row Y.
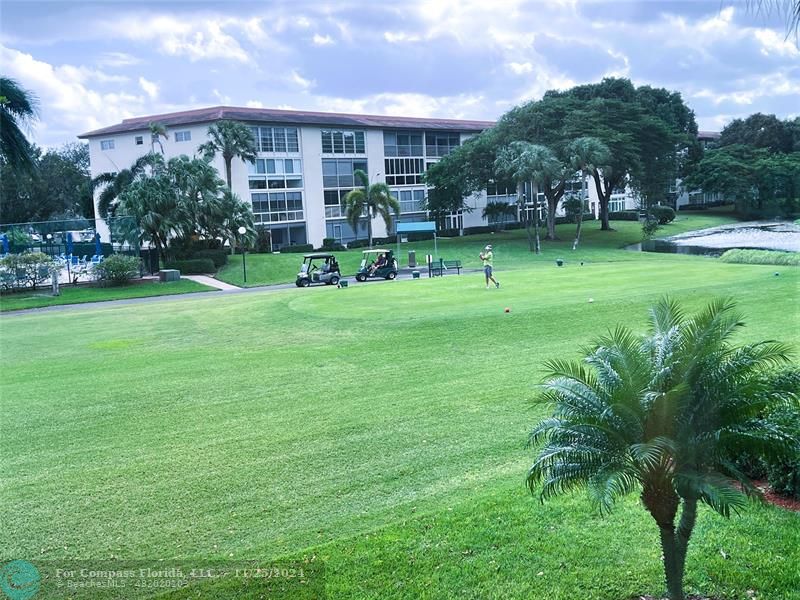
column 228, row 289
column 211, row 282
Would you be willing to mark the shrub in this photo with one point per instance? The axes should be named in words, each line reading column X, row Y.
column 263, row 243
column 624, row 215
column 664, row 214
column 28, row 268
column 193, row 266
column 474, row 230
column 298, row 248
column 649, row 226
column 117, row 269
column 219, row 256
column 761, row 257
column 358, row 244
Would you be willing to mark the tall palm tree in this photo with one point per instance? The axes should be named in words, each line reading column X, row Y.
column 585, row 155
column 18, row 110
column 375, row 199
column 231, row 139
column 665, row 414
column 113, row 184
column 496, row 212
column 222, row 219
column 157, row 131
column 523, row 163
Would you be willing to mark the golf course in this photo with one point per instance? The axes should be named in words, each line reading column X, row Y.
column 376, row 431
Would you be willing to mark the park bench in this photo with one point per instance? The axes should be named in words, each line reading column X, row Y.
column 438, row 269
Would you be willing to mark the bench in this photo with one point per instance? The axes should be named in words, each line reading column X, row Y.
column 438, row 269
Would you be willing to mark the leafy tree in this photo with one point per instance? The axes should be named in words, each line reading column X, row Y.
column 762, row 131
column 665, row 414
column 157, row 131
column 223, row 223
column 524, row 162
column 199, row 187
column 231, row 139
column 375, row 199
column 585, row 155
column 112, row 185
column 18, row 110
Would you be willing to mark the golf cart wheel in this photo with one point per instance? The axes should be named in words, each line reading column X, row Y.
column 361, row 277
column 391, row 275
column 333, row 281
column 303, row 283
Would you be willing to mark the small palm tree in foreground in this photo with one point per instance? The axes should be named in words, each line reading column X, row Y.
column 375, row 199
column 664, row 414
column 18, row 111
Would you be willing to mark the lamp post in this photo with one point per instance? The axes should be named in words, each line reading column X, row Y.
column 242, row 230
column 49, row 237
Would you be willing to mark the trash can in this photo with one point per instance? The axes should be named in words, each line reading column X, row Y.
column 343, row 283
column 412, row 258
column 415, row 274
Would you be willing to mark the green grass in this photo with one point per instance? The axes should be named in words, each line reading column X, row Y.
column 761, row 257
column 510, row 249
column 376, row 430
column 81, row 294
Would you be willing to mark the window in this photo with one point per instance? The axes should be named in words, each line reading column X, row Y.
column 338, row 180
column 410, row 200
column 343, row 142
column 275, row 207
column 276, row 139
column 441, row 144
column 106, row 144
column 183, row 136
column 404, row 171
column 281, row 173
column 402, row 143
column 139, row 140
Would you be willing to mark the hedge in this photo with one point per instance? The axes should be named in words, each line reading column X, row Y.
column 761, row 257
column 118, row 269
column 298, row 248
column 663, row 214
column 219, row 256
column 193, row 266
column 624, row 215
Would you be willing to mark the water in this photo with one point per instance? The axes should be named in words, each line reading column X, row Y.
column 759, row 235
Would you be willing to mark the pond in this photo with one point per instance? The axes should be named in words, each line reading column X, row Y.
column 758, row 235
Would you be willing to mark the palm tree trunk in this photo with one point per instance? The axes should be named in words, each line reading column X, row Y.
column 369, row 229
column 672, row 569
column 536, row 218
column 584, row 196
column 684, row 532
column 228, row 162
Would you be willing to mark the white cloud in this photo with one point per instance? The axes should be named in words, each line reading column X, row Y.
column 117, row 59
column 221, row 98
column 300, row 81
column 200, row 39
column 254, row 104
column 150, row 87
column 65, row 96
column 463, row 106
column 322, row 40
column 520, row 68
column 400, row 37
column 774, row 43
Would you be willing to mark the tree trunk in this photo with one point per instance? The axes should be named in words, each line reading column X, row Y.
column 584, row 198
column 684, row 533
column 672, row 569
column 228, row 165
column 369, row 229
column 603, row 196
column 552, row 205
column 536, row 218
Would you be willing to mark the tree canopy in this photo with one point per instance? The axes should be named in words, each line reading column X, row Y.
column 18, row 111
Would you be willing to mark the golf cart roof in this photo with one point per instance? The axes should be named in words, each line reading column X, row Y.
column 318, row 255
column 376, row 250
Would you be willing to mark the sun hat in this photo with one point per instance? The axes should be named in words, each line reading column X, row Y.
column 488, row 247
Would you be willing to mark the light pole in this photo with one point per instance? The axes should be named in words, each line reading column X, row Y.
column 242, row 230
column 49, row 237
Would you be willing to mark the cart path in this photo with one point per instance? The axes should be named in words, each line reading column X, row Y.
column 215, row 293
column 211, row 282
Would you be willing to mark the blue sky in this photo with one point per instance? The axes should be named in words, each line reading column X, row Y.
column 94, row 63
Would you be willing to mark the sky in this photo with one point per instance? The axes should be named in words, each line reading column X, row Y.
column 92, row 64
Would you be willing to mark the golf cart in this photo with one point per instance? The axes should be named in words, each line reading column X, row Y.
column 318, row 268
column 382, row 266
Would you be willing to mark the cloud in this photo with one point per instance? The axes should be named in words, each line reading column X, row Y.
column 117, row 59
column 150, row 88
column 300, row 81
column 520, row 68
column 322, row 40
column 198, row 39
column 406, row 105
column 400, row 37
column 254, row 104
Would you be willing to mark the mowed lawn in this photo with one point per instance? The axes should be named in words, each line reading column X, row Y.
column 511, row 250
column 379, row 429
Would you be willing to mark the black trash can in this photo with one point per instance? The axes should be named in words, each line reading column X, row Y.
column 412, row 258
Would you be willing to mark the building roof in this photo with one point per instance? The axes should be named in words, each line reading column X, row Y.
column 708, row 135
column 294, row 117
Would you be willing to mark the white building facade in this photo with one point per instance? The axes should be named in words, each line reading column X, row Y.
column 305, row 164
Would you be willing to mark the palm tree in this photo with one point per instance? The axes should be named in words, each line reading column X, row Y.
column 523, row 163
column 663, row 413
column 157, row 131
column 585, row 155
column 222, row 220
column 496, row 212
column 231, row 139
column 375, row 199
column 18, row 110
column 113, row 184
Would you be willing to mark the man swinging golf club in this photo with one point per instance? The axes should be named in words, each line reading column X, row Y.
column 486, row 256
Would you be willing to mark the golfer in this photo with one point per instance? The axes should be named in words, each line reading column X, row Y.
column 487, row 256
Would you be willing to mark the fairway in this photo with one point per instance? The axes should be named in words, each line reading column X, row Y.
column 380, row 427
